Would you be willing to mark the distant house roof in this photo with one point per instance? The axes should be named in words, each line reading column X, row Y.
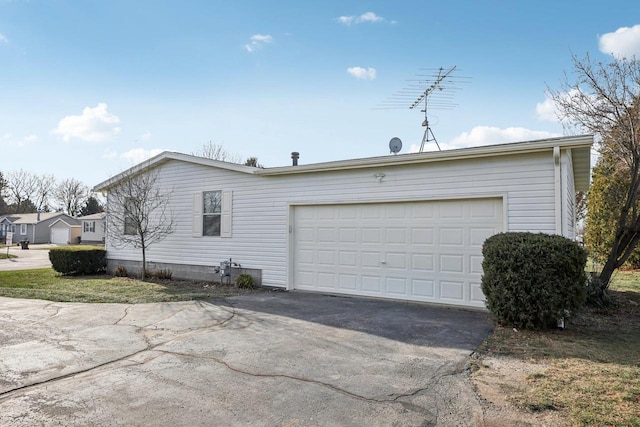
column 32, row 218
column 99, row 215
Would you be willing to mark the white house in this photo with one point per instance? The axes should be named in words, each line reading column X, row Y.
column 407, row 227
column 93, row 227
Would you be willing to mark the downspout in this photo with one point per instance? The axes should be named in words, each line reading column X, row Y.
column 557, row 189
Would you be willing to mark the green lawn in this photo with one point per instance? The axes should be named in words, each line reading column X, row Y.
column 594, row 365
column 48, row 285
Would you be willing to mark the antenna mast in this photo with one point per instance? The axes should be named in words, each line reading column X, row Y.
column 435, row 90
column 425, row 97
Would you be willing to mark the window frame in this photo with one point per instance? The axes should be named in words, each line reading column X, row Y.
column 23, row 229
column 129, row 225
column 213, row 214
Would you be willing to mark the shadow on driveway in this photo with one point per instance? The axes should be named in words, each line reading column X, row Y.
column 407, row 322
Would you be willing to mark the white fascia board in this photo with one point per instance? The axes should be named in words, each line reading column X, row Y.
column 166, row 156
column 435, row 156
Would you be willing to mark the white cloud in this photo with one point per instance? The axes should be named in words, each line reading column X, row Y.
column 367, row 17
column 138, row 155
column 623, row 43
column 489, row 135
column 94, row 125
column 257, row 41
column 362, row 73
column 8, row 139
column 3, row 39
column 546, row 110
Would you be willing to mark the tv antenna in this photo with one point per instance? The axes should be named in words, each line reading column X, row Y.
column 435, row 89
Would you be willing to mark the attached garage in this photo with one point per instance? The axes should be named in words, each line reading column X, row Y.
column 408, row 226
column 419, row 251
column 63, row 233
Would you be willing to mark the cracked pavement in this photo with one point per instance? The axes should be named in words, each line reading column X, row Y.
column 270, row 358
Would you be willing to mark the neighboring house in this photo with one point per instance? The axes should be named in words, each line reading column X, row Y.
column 93, row 227
column 34, row 227
column 62, row 231
column 6, row 225
column 407, row 226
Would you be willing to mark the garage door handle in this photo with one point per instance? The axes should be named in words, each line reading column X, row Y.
column 383, row 262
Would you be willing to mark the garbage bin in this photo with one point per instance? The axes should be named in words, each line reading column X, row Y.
column 24, row 244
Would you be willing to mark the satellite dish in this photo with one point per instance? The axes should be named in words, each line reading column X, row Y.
column 395, row 145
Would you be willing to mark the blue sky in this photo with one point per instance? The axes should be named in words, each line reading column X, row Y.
column 88, row 88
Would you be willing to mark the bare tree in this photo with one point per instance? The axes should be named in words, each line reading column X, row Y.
column 45, row 186
column 603, row 99
column 71, row 195
column 217, row 152
column 138, row 213
column 22, row 188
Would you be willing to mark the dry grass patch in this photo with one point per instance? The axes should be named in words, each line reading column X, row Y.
column 588, row 374
column 48, row 285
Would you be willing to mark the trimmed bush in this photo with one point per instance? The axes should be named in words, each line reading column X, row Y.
column 244, row 281
column 531, row 279
column 74, row 261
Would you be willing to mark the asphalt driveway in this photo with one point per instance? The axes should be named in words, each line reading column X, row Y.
column 272, row 358
column 37, row 256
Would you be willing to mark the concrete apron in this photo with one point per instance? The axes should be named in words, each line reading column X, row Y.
column 271, row 358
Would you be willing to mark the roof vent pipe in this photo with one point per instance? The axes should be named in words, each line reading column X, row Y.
column 295, row 156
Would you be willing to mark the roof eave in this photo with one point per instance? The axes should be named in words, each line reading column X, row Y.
column 166, row 156
column 435, row 156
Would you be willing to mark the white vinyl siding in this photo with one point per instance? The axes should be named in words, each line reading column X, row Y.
column 569, row 197
column 261, row 205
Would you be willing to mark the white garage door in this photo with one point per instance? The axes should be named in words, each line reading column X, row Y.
column 418, row 251
column 59, row 236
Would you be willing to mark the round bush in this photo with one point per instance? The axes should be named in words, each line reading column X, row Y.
column 531, row 279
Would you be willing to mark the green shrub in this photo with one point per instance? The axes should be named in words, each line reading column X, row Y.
column 244, row 281
column 531, row 279
column 78, row 261
column 121, row 271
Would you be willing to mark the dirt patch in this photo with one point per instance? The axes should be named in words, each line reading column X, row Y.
column 496, row 379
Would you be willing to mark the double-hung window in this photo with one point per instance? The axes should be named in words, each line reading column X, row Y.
column 89, row 226
column 129, row 218
column 23, row 229
column 211, row 213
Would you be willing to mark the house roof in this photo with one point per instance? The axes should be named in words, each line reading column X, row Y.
column 99, row 215
column 32, row 218
column 580, row 146
column 65, row 221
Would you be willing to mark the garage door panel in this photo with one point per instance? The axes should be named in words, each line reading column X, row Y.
column 397, row 260
column 452, row 290
column 396, row 286
column 371, row 235
column 421, row 251
column 422, row 288
column 422, row 262
column 396, row 235
column 452, row 236
column 371, row 284
column 451, row 263
column 422, row 236
column 348, row 259
column 371, row 260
